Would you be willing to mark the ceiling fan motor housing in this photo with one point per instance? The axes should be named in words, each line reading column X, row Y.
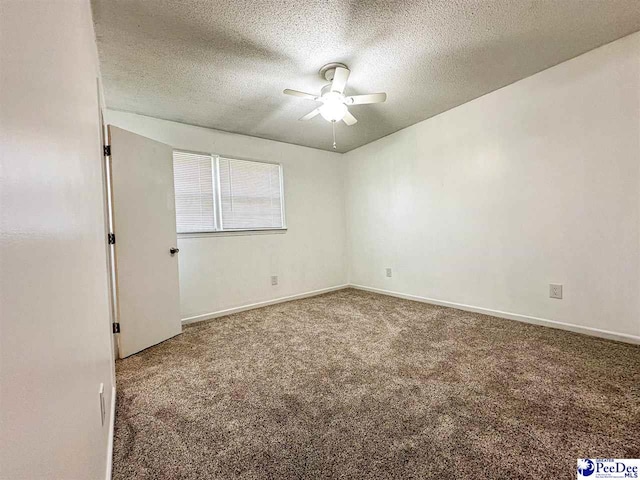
column 326, row 89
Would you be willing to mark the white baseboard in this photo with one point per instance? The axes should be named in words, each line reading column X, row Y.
column 621, row 337
column 251, row 306
column 112, row 427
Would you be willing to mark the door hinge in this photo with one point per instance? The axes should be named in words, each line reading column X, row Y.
column 107, row 150
column 111, row 238
column 116, row 328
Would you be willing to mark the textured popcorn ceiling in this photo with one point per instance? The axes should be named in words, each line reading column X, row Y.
column 224, row 64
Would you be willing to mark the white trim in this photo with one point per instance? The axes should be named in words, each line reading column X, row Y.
column 596, row 332
column 283, row 209
column 215, row 185
column 232, row 233
column 112, row 427
column 251, row 306
column 218, row 193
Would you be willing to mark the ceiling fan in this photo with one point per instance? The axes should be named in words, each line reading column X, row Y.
column 334, row 102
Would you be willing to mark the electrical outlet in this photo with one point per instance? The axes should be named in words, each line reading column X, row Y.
column 274, row 280
column 555, row 290
column 389, row 273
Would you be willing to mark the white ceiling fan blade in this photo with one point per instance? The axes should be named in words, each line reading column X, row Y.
column 340, row 77
column 311, row 114
column 365, row 99
column 349, row 119
column 296, row 93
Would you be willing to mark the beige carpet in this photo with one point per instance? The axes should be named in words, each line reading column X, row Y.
column 357, row 385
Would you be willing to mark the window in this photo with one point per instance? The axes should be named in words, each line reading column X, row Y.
column 193, row 182
column 225, row 194
column 249, row 194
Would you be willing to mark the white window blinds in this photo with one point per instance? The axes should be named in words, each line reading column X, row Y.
column 217, row 194
column 250, row 195
column 193, row 183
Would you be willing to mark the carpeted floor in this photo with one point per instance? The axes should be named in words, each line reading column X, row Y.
column 357, row 385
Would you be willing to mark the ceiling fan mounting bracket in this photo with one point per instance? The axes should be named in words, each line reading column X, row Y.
column 329, row 70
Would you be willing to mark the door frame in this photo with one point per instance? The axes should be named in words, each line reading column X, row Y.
column 113, row 273
column 108, row 228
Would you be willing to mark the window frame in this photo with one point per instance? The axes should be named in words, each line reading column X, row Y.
column 220, row 232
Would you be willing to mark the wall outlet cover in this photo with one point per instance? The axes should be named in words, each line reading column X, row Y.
column 555, row 290
column 389, row 272
column 274, row 280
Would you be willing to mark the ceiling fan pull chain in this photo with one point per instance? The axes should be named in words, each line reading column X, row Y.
column 333, row 126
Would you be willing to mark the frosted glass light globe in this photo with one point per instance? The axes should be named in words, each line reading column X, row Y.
column 333, row 109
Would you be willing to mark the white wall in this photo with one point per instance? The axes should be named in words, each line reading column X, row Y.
column 222, row 272
column 488, row 203
column 55, row 343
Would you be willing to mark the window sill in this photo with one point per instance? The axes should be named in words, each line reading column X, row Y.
column 233, row 233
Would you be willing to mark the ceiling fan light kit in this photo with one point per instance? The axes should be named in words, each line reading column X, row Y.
column 333, row 108
column 335, row 104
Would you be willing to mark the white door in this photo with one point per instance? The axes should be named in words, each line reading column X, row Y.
column 144, row 221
